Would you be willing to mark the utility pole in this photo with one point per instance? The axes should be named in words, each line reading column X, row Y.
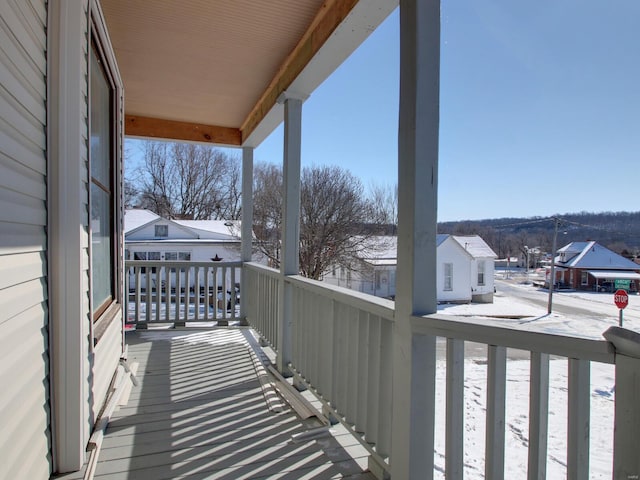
column 552, row 279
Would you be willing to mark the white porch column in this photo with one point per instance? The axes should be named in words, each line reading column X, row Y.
column 414, row 355
column 247, row 224
column 290, row 262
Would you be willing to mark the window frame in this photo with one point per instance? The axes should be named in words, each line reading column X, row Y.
column 448, row 277
column 104, row 314
column 156, row 229
column 96, row 50
column 481, row 273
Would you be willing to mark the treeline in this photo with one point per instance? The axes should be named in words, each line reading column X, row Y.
column 618, row 231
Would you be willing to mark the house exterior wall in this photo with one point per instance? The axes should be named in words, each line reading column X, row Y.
column 174, row 231
column 58, row 366
column 199, row 251
column 482, row 293
column 378, row 280
column 450, row 252
column 25, row 438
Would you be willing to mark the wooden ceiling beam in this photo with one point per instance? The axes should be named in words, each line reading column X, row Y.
column 329, row 17
column 137, row 126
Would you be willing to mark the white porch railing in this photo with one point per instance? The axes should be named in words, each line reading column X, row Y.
column 342, row 349
column 181, row 292
column 262, row 303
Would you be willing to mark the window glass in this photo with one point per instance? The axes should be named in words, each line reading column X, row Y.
column 153, row 255
column 162, row 230
column 584, row 278
column 481, row 272
column 101, row 189
column 448, row 276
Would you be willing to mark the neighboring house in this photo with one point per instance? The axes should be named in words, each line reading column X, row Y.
column 482, row 267
column 465, row 269
column 148, row 236
column 590, row 266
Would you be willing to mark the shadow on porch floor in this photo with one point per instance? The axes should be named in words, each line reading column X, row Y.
column 199, row 412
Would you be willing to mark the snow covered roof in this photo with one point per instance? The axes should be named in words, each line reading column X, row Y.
column 384, row 249
column 613, row 275
column 137, row 220
column 475, row 245
column 137, row 217
column 213, row 228
column 592, row 255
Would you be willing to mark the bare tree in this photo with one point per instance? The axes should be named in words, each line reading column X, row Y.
column 179, row 180
column 267, row 210
column 333, row 217
column 384, row 206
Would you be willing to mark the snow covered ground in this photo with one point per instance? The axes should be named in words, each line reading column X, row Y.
column 595, row 312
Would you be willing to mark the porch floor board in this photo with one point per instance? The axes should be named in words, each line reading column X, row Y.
column 199, row 412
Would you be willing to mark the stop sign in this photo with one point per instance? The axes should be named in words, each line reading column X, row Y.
column 621, row 299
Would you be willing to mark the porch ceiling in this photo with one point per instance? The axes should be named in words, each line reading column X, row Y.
column 212, row 71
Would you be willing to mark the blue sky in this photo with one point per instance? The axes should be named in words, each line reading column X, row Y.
column 540, row 109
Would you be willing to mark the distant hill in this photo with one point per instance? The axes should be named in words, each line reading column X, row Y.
column 618, row 231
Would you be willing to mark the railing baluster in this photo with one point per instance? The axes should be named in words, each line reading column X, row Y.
column 207, row 299
column 148, row 293
column 339, row 366
column 363, row 372
column 158, row 292
column 196, row 292
column 454, row 461
column 373, row 391
column 578, row 420
column 167, row 290
column 233, row 294
column 538, row 416
column 138, row 297
column 176, row 318
column 383, row 445
column 187, row 293
column 496, row 394
column 352, row 372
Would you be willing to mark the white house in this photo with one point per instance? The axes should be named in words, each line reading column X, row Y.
column 482, row 267
column 154, row 238
column 148, row 236
column 465, row 268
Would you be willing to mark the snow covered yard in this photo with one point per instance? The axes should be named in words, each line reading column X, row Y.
column 515, row 310
column 517, row 425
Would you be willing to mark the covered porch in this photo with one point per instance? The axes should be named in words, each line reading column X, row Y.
column 372, row 364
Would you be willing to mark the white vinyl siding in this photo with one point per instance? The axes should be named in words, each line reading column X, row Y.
column 24, row 318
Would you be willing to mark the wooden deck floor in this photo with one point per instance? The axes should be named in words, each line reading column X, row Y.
column 199, row 412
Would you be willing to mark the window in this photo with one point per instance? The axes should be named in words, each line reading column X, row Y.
column 153, row 255
column 448, row 277
column 584, row 278
column 162, row 230
column 181, row 256
column 102, row 186
column 481, row 266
